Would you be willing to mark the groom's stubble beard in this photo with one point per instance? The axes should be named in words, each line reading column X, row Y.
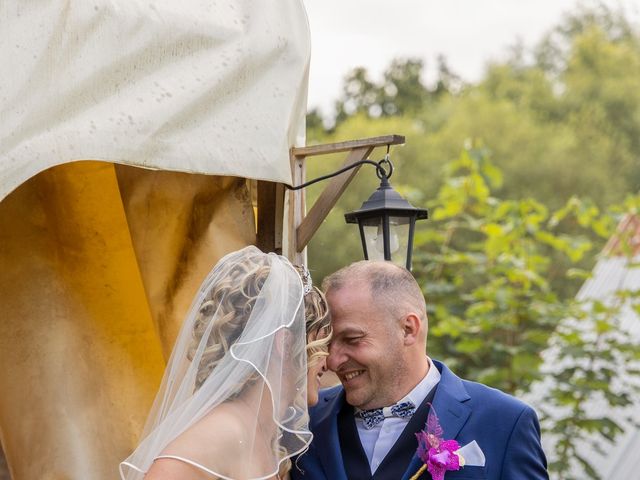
column 382, row 381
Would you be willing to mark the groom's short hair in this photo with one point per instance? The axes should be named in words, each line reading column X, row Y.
column 388, row 283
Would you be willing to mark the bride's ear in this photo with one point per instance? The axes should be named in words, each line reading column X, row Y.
column 280, row 341
column 283, row 341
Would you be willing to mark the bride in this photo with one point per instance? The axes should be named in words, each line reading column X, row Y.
column 233, row 401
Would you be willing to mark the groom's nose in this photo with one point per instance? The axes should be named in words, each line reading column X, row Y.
column 336, row 357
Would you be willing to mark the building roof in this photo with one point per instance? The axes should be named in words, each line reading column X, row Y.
column 626, row 240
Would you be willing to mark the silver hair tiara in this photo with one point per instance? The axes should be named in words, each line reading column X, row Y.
column 307, row 283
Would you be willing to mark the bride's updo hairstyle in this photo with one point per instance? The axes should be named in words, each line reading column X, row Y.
column 232, row 299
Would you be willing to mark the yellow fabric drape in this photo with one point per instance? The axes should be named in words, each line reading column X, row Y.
column 98, row 265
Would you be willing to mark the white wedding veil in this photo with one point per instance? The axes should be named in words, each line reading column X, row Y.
column 236, row 379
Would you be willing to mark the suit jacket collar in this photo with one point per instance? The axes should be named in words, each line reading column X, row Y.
column 326, row 433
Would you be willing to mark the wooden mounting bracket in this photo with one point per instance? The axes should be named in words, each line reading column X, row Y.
column 301, row 226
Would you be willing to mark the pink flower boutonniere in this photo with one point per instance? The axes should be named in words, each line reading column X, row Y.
column 438, row 455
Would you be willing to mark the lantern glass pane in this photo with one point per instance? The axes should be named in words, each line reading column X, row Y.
column 399, row 236
column 374, row 239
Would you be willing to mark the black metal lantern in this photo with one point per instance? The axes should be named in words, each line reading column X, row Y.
column 387, row 222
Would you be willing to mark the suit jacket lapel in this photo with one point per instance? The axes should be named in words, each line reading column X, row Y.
column 449, row 405
column 354, row 457
column 326, row 438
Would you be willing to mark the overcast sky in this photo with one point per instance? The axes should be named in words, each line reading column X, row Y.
column 469, row 33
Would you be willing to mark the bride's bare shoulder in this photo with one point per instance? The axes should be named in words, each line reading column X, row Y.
column 175, row 469
column 214, row 441
column 222, row 427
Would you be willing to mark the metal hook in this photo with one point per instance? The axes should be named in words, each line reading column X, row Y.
column 381, row 172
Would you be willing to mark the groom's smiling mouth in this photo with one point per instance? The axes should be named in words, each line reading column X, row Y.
column 351, row 375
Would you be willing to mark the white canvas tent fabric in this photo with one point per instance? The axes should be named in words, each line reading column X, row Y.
column 612, row 273
column 200, row 86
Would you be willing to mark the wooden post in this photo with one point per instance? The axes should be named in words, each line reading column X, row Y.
column 270, row 216
column 297, row 209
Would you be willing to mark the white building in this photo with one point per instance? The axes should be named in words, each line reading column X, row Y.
column 617, row 270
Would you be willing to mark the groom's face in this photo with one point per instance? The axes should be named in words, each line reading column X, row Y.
column 366, row 348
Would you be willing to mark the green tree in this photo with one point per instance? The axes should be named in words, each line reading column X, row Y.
column 401, row 91
column 359, row 95
column 484, row 264
column 556, row 125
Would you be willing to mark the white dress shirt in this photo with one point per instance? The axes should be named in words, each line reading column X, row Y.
column 378, row 440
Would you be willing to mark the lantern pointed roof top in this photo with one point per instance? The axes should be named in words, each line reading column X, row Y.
column 387, row 199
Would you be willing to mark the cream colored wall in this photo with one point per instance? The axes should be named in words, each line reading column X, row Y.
column 98, row 264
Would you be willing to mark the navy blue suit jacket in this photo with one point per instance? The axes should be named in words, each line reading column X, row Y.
column 506, row 430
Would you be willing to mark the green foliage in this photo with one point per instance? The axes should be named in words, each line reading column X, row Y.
column 401, row 91
column 484, row 265
column 556, row 126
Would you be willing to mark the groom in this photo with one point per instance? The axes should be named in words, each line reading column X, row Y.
column 378, row 352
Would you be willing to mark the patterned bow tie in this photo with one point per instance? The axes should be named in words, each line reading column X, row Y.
column 373, row 417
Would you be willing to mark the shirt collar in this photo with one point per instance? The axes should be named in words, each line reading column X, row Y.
column 420, row 391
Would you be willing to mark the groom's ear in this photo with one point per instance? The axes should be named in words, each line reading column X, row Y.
column 411, row 324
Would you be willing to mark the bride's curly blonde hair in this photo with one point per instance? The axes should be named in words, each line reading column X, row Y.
column 317, row 321
column 233, row 299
